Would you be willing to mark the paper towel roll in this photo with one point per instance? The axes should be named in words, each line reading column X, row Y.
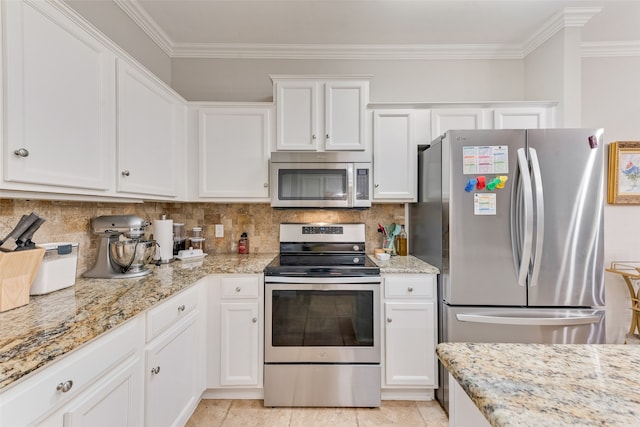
column 163, row 234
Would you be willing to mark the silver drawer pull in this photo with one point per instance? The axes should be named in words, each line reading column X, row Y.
column 156, row 370
column 238, row 289
column 410, row 289
column 389, row 320
column 126, row 173
column 21, row 152
column 65, row 386
column 181, row 307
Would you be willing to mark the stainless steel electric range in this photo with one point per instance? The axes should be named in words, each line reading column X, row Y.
column 322, row 319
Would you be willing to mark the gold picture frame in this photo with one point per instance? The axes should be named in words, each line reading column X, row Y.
column 624, row 173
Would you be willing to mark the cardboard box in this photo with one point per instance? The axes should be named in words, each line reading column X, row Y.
column 17, row 271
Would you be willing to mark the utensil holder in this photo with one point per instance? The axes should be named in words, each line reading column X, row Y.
column 17, row 271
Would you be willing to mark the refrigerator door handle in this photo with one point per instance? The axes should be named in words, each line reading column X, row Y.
column 528, row 321
column 539, row 198
column 528, row 218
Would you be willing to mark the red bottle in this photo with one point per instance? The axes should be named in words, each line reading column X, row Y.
column 243, row 244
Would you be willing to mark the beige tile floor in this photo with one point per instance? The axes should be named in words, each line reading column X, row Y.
column 250, row 413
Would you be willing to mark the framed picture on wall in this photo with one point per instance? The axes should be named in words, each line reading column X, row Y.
column 624, row 173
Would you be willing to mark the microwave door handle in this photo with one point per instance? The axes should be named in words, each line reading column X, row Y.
column 351, row 194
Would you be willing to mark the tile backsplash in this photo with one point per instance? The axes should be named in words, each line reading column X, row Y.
column 68, row 221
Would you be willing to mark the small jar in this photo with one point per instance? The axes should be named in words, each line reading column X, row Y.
column 196, row 232
column 197, row 243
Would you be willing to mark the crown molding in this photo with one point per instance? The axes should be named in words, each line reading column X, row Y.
column 567, row 17
column 339, row 51
column 610, row 49
column 147, row 24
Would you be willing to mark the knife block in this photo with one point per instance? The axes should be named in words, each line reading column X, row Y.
column 17, row 271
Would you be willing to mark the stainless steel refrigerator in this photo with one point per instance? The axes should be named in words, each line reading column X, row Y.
column 514, row 221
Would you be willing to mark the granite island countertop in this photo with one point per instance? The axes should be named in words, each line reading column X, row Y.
column 548, row 385
column 52, row 325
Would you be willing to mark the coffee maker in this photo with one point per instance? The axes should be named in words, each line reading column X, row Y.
column 120, row 258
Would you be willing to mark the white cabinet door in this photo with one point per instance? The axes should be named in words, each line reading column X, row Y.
column 321, row 114
column 345, row 119
column 59, row 101
column 239, row 344
column 444, row 119
column 297, row 115
column 148, row 139
column 171, row 369
column 410, row 343
column 394, row 156
column 114, row 401
column 234, row 152
column 522, row 118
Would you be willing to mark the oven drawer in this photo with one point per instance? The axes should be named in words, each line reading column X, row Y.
column 240, row 287
column 409, row 286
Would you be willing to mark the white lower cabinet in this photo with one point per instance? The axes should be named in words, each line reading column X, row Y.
column 409, row 325
column 174, row 368
column 101, row 384
column 462, row 411
column 236, row 334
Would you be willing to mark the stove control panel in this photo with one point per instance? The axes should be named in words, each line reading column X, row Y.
column 322, row 229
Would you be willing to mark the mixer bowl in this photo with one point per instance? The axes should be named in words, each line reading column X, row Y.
column 132, row 253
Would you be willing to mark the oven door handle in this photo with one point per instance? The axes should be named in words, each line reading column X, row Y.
column 274, row 280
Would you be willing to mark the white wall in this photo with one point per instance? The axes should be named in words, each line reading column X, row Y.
column 611, row 99
column 393, row 81
column 116, row 25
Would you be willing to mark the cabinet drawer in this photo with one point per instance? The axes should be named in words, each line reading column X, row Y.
column 35, row 397
column 169, row 312
column 410, row 286
column 240, row 287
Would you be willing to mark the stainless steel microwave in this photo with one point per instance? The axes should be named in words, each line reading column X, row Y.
column 320, row 180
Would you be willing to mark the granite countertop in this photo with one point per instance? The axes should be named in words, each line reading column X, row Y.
column 548, row 385
column 54, row 324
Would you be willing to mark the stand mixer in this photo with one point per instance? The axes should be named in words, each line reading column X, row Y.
column 121, row 258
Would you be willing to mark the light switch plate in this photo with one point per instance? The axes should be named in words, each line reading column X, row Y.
column 219, row 230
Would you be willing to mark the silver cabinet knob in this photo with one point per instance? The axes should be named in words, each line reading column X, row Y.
column 181, row 307
column 313, row 136
column 126, row 173
column 410, row 289
column 327, row 136
column 389, row 320
column 377, row 185
column 21, row 152
column 156, row 370
column 254, row 320
column 65, row 386
column 238, row 289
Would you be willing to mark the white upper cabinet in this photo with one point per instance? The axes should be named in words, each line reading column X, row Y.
column 444, row 119
column 234, row 145
column 394, row 155
column 150, row 136
column 321, row 114
column 523, row 118
column 59, row 102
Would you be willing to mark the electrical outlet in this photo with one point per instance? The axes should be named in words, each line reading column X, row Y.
column 219, row 230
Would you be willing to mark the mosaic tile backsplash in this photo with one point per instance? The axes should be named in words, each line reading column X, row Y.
column 71, row 222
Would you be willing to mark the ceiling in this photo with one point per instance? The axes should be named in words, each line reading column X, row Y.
column 375, row 29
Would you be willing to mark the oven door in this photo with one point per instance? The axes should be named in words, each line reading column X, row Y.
column 322, row 323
